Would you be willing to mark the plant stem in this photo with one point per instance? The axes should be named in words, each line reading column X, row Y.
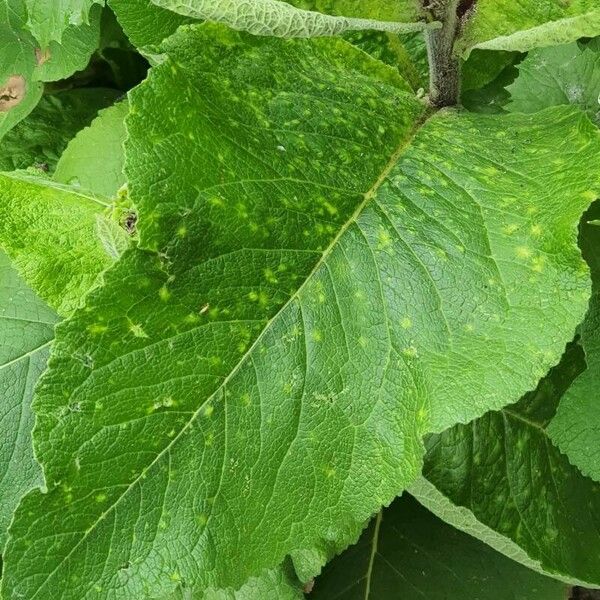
column 444, row 66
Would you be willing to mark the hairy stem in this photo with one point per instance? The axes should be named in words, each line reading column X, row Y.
column 444, row 66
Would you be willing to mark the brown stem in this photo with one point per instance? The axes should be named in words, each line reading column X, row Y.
column 444, row 66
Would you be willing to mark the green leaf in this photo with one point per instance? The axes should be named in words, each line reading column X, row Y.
column 492, row 97
column 26, row 331
column 145, row 24
column 253, row 376
column 42, row 136
column 94, row 159
column 278, row 18
column 523, row 25
column 24, row 65
column 407, row 552
column 484, row 66
column 49, row 232
column 49, row 19
column 564, row 74
column 380, row 10
column 574, row 429
column 505, row 470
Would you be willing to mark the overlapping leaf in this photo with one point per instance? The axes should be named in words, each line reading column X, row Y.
column 41, row 137
column 567, row 74
column 505, row 470
column 281, row 19
column 406, row 552
column 95, row 159
column 48, row 19
column 256, row 377
column 146, row 24
column 48, row 230
column 61, row 233
column 509, row 25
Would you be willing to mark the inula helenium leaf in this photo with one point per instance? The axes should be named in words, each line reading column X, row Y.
column 321, row 280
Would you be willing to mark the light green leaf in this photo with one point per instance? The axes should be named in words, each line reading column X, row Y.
column 42, row 136
column 24, row 65
column 254, row 376
column 574, row 429
column 278, row 18
column 407, row 552
column 26, row 331
column 564, row 74
column 48, row 19
column 49, row 232
column 145, row 24
column 505, row 470
column 94, row 159
column 523, row 25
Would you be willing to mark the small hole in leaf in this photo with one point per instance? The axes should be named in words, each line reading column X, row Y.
column 130, row 222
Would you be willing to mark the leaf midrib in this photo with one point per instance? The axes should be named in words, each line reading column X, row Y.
column 368, row 196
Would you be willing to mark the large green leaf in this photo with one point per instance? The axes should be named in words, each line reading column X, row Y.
column 42, row 136
column 278, row 18
column 24, row 65
column 567, row 74
column 505, row 470
column 314, row 291
column 48, row 19
column 50, row 233
column 510, row 25
column 26, row 330
column 94, row 159
column 406, row 552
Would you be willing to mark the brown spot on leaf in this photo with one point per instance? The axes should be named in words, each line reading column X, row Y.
column 12, row 92
column 42, row 56
column 308, row 586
